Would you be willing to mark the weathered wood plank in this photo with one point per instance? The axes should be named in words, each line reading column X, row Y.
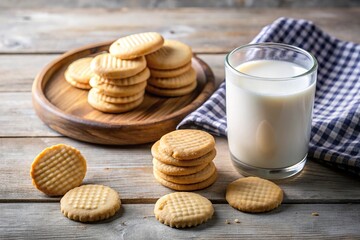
column 206, row 30
column 289, row 221
column 129, row 171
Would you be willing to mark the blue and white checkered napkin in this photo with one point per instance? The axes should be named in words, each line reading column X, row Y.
column 335, row 135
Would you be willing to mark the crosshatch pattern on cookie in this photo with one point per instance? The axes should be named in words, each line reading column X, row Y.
column 58, row 169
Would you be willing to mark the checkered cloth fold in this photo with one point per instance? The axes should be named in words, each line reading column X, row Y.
column 335, row 135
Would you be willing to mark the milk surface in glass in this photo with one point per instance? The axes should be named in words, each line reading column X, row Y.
column 269, row 124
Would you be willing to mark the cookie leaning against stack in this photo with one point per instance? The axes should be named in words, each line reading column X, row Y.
column 182, row 160
column 78, row 73
column 171, row 71
column 120, row 76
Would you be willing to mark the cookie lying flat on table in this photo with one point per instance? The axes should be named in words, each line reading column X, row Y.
column 253, row 194
column 108, row 66
column 187, row 143
column 183, row 209
column 90, row 203
column 173, row 54
column 136, row 45
column 57, row 169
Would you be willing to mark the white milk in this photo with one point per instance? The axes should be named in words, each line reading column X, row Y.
column 269, row 120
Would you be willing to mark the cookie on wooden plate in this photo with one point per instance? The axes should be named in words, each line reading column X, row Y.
column 90, row 203
column 57, row 169
column 157, row 73
column 80, row 71
column 182, row 80
column 171, row 92
column 138, row 78
column 118, row 91
column 98, row 103
column 136, row 45
column 173, row 54
column 183, row 209
column 108, row 66
column 253, row 194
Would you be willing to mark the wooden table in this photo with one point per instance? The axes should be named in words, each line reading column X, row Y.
column 31, row 38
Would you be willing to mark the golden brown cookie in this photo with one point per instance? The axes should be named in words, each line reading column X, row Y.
column 57, row 169
column 112, row 107
column 136, row 45
column 187, row 187
column 79, row 70
column 175, row 92
column 170, row 72
column 200, row 176
column 76, row 84
column 163, row 157
column 183, row 209
column 138, row 78
column 108, row 66
column 253, row 194
column 187, row 143
column 173, row 54
column 174, row 82
column 118, row 91
column 116, row 100
column 175, row 170
column 90, row 203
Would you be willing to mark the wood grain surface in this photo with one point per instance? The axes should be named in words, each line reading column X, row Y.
column 46, row 30
column 30, row 38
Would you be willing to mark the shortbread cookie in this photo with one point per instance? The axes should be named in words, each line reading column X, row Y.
column 173, row 54
column 108, row 66
column 200, row 176
column 175, row 170
column 253, row 194
column 76, row 84
column 183, row 209
column 170, row 72
column 136, row 45
column 80, row 71
column 175, row 92
column 163, row 157
column 118, row 91
column 107, row 107
column 187, row 187
column 90, row 203
column 116, row 100
column 187, row 143
column 138, row 78
column 57, row 169
column 174, row 82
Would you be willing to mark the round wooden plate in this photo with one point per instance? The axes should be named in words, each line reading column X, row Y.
column 65, row 108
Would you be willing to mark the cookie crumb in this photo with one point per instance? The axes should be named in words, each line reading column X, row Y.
column 227, row 221
column 315, row 214
column 236, row 220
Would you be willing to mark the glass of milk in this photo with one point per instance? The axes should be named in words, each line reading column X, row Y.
column 270, row 90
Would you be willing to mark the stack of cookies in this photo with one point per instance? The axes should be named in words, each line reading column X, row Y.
column 78, row 73
column 183, row 160
column 120, row 76
column 171, row 72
